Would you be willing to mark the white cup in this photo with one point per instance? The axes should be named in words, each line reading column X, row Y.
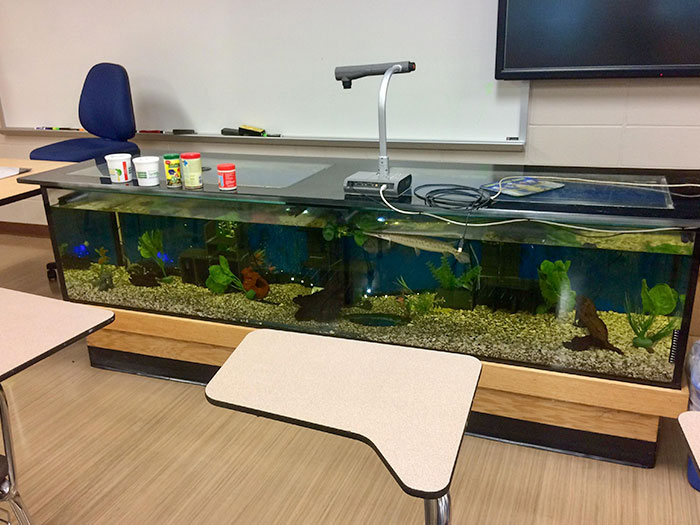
column 120, row 168
column 147, row 170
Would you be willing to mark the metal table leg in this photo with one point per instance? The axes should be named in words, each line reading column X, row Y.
column 437, row 511
column 9, row 486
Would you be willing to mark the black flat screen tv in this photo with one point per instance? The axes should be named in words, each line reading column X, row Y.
column 597, row 38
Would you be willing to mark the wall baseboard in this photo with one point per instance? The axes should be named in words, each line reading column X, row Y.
column 24, row 229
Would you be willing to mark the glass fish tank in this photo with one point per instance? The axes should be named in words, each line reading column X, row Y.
column 587, row 277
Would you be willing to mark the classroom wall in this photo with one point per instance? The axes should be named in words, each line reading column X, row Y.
column 635, row 123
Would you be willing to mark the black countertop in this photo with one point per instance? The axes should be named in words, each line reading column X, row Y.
column 319, row 181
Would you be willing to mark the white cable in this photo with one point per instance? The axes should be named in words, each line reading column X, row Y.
column 512, row 221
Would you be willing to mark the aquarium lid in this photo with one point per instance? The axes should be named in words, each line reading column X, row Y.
column 319, row 181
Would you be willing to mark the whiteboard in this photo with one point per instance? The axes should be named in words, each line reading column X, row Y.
column 269, row 63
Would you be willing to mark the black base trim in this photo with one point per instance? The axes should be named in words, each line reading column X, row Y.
column 151, row 366
column 626, row 451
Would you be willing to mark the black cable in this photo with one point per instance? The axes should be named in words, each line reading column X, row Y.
column 453, row 196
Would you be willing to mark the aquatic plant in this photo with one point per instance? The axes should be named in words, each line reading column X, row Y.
column 222, row 236
column 151, row 247
column 444, row 275
column 356, row 228
column 416, row 304
column 253, row 282
column 102, row 252
column 562, row 237
column 221, row 279
column 555, row 287
column 103, row 274
column 659, row 300
column 673, row 249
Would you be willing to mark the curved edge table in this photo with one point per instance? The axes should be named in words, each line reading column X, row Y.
column 409, row 404
column 33, row 327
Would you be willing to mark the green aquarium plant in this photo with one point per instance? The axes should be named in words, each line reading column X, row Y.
column 555, row 287
column 457, row 292
column 103, row 273
column 417, row 304
column 221, row 279
column 656, row 301
column 151, row 247
column 355, row 228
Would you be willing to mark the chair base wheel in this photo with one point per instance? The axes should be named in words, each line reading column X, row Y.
column 51, row 273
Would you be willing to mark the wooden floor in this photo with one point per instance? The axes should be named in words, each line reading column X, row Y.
column 109, row 448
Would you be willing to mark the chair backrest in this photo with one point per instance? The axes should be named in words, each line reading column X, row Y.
column 105, row 106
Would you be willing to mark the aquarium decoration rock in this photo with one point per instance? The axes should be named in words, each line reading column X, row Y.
column 253, row 282
column 76, row 257
column 555, row 287
column 321, row 306
column 657, row 301
column 378, row 319
column 139, row 275
column 587, row 316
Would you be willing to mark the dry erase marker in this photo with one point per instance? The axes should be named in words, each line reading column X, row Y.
column 150, row 131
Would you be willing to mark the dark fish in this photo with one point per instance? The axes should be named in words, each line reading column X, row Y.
column 321, row 306
column 586, row 315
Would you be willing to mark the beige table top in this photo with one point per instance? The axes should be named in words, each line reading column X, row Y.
column 11, row 190
column 409, row 404
column 690, row 425
column 33, row 327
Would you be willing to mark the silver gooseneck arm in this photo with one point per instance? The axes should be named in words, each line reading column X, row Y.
column 383, row 89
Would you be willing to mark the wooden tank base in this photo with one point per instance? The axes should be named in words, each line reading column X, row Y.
column 596, row 417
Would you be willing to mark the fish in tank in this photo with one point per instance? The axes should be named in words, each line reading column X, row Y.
column 534, row 294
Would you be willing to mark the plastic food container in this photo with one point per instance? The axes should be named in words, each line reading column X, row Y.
column 120, row 168
column 227, row 176
column 147, row 170
column 191, row 168
column 171, row 161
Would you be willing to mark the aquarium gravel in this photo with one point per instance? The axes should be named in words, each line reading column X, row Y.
column 519, row 337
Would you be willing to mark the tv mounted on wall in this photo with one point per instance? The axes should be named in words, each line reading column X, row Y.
column 597, row 38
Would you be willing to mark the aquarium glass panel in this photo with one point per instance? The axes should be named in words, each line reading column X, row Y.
column 575, row 300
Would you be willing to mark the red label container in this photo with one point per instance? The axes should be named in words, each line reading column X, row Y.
column 227, row 176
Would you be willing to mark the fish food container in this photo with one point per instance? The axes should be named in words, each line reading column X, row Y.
column 147, row 170
column 191, row 166
column 120, row 167
column 227, row 176
column 171, row 162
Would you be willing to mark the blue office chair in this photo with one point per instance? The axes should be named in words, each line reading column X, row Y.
column 106, row 111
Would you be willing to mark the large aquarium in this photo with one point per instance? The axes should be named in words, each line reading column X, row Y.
column 564, row 291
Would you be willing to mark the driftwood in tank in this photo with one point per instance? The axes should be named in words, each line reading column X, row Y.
column 324, row 305
column 587, row 316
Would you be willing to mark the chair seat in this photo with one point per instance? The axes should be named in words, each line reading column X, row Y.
column 77, row 150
